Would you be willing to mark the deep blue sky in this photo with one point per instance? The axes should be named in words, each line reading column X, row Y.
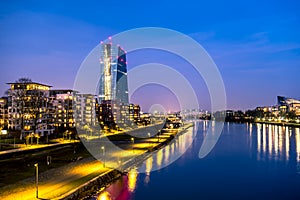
column 255, row 44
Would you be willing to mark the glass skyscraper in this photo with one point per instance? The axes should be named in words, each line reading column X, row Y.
column 113, row 87
column 113, row 74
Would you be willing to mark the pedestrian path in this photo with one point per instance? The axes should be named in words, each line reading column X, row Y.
column 36, row 146
column 55, row 182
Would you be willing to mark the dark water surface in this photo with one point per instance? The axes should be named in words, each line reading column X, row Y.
column 250, row 161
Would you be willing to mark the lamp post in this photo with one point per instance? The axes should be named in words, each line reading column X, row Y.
column 149, row 138
column 158, row 135
column 103, row 149
column 132, row 139
column 36, row 165
column 32, row 138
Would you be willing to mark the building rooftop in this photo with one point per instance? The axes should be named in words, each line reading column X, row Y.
column 29, row 83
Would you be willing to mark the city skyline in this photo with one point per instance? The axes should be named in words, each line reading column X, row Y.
column 256, row 47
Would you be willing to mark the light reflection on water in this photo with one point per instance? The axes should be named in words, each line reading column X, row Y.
column 276, row 142
column 132, row 176
column 104, row 196
column 298, row 148
column 268, row 143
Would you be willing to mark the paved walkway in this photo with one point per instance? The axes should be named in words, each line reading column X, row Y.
column 36, row 146
column 55, row 182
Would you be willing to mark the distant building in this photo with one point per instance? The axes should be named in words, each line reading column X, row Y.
column 28, row 108
column 145, row 118
column 286, row 104
column 264, row 109
column 173, row 120
column 134, row 112
column 3, row 112
column 230, row 115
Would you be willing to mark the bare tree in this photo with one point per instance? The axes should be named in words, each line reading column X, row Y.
column 23, row 80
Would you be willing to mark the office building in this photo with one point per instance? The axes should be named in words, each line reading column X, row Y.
column 113, row 88
column 113, row 74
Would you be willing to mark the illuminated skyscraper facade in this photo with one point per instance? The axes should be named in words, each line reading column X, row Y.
column 113, row 74
column 113, row 87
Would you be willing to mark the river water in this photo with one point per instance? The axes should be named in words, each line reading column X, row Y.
column 249, row 161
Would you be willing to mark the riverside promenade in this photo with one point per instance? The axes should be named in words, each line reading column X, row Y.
column 68, row 181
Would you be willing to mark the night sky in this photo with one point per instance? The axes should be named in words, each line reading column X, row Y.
column 255, row 44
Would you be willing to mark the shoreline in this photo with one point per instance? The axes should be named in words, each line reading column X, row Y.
column 278, row 123
column 289, row 124
column 102, row 181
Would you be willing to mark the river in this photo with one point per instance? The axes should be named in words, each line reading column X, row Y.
column 249, row 161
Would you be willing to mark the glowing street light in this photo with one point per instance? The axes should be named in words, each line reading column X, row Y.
column 103, row 149
column 36, row 165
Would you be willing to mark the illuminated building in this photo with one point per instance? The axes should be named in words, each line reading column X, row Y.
column 62, row 110
column 3, row 112
column 113, row 74
column 85, row 109
column 28, row 108
column 106, row 116
column 134, row 112
column 113, row 114
column 113, row 87
column 288, row 104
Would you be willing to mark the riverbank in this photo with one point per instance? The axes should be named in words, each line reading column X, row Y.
column 102, row 181
column 279, row 123
column 80, row 177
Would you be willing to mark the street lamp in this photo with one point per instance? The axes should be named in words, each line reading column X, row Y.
column 149, row 138
column 158, row 135
column 32, row 138
column 132, row 139
column 36, row 165
column 103, row 149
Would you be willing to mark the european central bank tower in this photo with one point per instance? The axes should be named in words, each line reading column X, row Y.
column 113, row 70
column 113, row 86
